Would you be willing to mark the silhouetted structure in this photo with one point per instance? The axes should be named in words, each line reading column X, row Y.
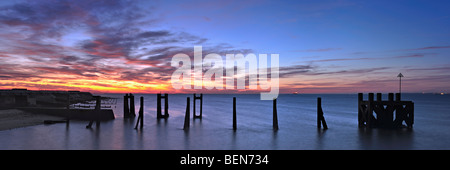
column 201, row 105
column 234, row 114
column 21, row 98
column 166, row 106
column 128, row 111
column 275, row 115
column 97, row 112
column 132, row 109
column 384, row 110
column 141, row 114
column 320, row 118
column 187, row 115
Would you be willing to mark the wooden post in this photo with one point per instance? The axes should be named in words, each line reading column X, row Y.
column 132, row 108
column 275, row 116
column 381, row 115
column 193, row 106
column 410, row 116
column 141, row 114
column 360, row 111
column 158, row 106
column 187, row 115
column 141, row 111
column 390, row 110
column 391, row 97
column 379, row 97
column 320, row 117
column 370, row 121
column 166, row 105
column 234, row 114
column 397, row 97
column 201, row 105
column 319, row 108
column 126, row 110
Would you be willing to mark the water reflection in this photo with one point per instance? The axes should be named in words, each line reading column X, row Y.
column 402, row 139
column 274, row 142
column 214, row 131
column 320, row 138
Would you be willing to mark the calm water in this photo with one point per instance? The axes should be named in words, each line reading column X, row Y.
column 297, row 126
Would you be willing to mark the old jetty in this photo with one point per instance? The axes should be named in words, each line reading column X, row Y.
column 388, row 114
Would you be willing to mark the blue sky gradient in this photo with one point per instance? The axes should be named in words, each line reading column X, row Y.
column 327, row 46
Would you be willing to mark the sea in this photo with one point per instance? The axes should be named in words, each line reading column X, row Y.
column 297, row 121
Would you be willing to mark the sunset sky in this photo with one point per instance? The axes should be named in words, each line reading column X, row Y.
column 338, row 46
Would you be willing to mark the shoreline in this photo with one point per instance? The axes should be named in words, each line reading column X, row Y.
column 16, row 118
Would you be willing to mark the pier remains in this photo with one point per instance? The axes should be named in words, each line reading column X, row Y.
column 159, row 97
column 201, row 105
column 320, row 118
column 388, row 114
column 129, row 111
column 140, row 119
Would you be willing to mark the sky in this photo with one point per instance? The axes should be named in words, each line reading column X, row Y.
column 327, row 46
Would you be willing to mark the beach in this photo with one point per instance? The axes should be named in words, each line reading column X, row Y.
column 15, row 118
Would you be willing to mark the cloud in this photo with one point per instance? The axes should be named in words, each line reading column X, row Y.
column 415, row 55
column 288, row 71
column 153, row 34
column 319, row 50
column 65, row 70
column 428, row 48
column 309, row 70
column 344, row 59
column 68, row 40
column 10, row 71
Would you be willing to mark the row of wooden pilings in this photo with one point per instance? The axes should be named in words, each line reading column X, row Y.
column 129, row 111
column 320, row 118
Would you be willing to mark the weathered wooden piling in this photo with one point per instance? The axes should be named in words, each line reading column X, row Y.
column 128, row 107
column 320, row 118
column 384, row 110
column 370, row 116
column 140, row 119
column 187, row 115
column 360, row 113
column 166, row 106
column 126, row 110
column 390, row 97
column 234, row 114
column 158, row 106
column 132, row 108
column 201, row 105
column 275, row 115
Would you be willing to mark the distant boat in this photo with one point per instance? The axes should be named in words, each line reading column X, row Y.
column 295, row 92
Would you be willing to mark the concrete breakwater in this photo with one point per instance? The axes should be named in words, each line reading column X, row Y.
column 41, row 98
column 54, row 103
column 74, row 114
